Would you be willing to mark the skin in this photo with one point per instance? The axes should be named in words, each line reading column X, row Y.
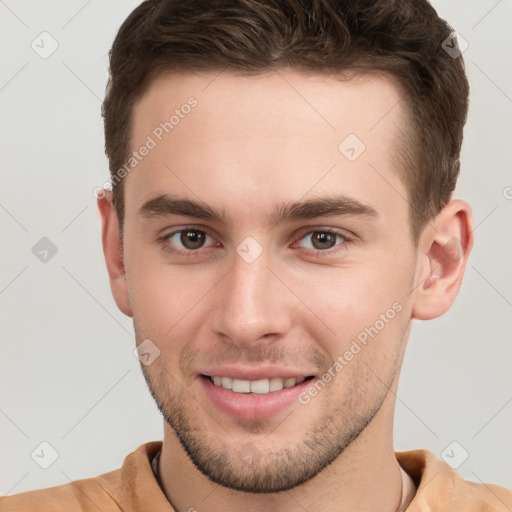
column 251, row 144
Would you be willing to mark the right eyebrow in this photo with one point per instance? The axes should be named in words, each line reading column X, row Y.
column 168, row 205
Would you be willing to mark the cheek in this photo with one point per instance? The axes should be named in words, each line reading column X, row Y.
column 363, row 302
column 347, row 296
column 163, row 297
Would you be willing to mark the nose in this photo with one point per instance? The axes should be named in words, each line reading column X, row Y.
column 253, row 303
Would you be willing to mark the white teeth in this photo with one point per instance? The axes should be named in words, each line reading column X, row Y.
column 289, row 382
column 275, row 384
column 227, row 382
column 260, row 387
column 241, row 386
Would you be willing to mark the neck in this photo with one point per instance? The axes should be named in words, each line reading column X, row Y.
column 365, row 477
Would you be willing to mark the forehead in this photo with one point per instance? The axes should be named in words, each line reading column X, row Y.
column 273, row 136
column 315, row 104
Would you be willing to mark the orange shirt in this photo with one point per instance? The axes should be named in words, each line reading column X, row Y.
column 134, row 488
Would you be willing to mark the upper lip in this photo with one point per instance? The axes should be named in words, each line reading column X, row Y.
column 254, row 372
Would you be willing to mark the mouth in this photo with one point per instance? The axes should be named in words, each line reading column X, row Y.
column 256, row 387
column 253, row 400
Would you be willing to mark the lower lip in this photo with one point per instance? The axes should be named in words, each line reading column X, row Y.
column 251, row 406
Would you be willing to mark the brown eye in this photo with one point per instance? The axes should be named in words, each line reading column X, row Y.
column 323, row 240
column 192, row 238
column 186, row 240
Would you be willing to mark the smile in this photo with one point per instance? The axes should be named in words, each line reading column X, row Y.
column 253, row 400
column 259, row 387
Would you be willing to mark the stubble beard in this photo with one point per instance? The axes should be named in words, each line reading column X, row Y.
column 254, row 469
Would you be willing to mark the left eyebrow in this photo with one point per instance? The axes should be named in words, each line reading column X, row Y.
column 322, row 207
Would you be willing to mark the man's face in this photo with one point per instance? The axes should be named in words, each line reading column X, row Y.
column 256, row 294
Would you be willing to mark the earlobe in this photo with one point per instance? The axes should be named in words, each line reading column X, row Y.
column 113, row 252
column 443, row 253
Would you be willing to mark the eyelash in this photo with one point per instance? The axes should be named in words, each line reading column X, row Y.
column 164, row 241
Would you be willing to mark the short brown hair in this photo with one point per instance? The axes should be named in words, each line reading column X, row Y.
column 403, row 38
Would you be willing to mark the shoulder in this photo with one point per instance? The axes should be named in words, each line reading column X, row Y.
column 110, row 492
column 80, row 495
column 441, row 489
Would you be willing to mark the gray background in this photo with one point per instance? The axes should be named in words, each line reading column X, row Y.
column 68, row 374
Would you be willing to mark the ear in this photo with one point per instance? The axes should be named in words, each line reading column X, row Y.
column 443, row 252
column 113, row 251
